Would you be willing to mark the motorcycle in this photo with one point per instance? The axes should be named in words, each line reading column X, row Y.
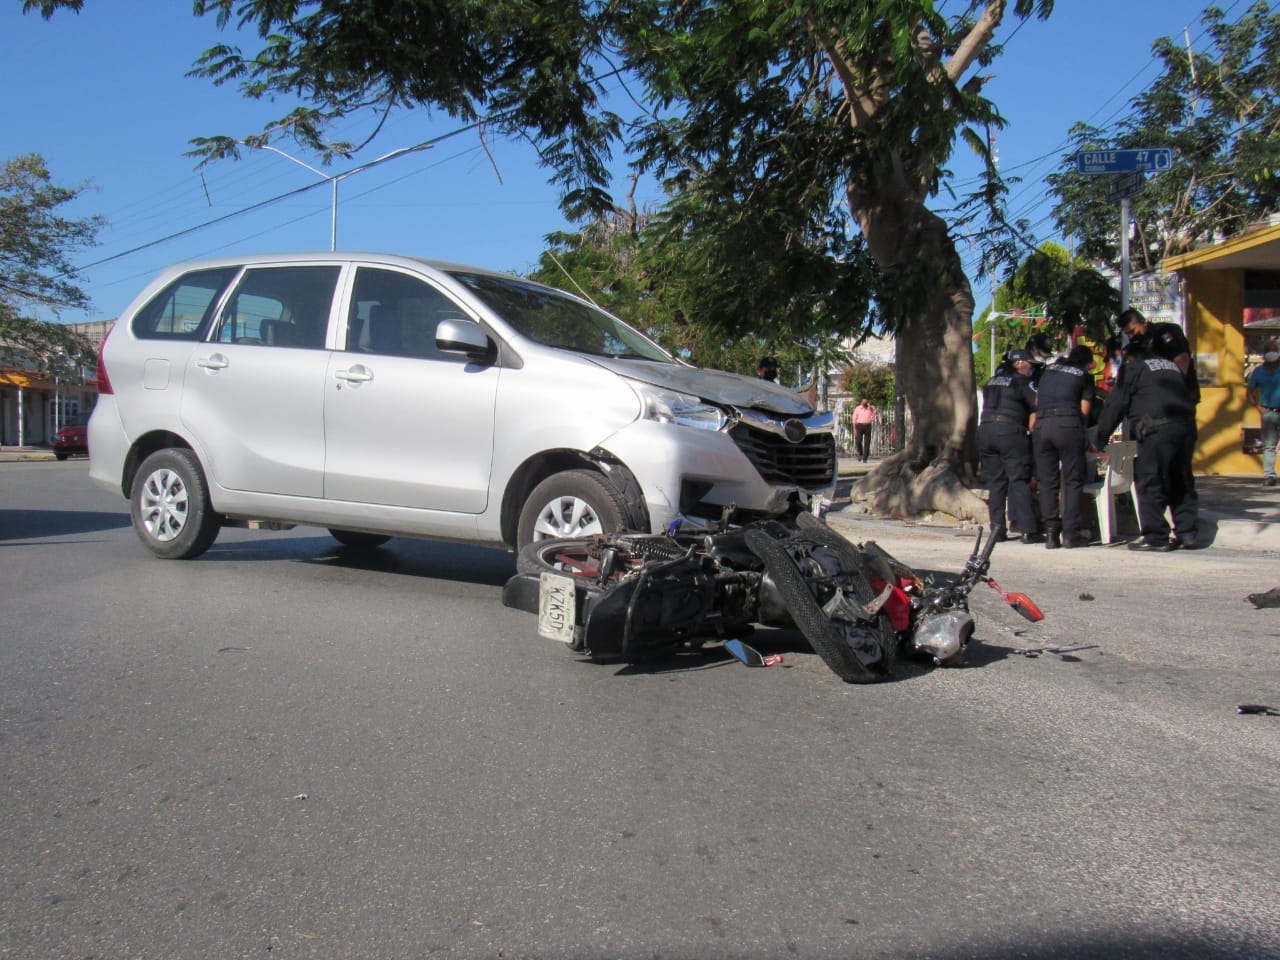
column 632, row 597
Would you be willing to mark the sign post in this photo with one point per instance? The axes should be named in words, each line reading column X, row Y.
column 1133, row 166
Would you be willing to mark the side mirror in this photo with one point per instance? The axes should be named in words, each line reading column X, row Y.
column 463, row 336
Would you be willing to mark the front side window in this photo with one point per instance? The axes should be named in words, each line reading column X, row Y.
column 396, row 315
column 182, row 310
column 280, row 307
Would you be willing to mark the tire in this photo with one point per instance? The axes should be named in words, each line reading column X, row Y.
column 170, row 506
column 825, row 637
column 855, row 566
column 575, row 503
column 569, row 556
column 359, row 541
column 60, row 455
column 574, row 555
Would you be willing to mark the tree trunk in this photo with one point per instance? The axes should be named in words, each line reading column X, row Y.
column 935, row 469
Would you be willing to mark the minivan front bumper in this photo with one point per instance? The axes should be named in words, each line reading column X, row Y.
column 759, row 466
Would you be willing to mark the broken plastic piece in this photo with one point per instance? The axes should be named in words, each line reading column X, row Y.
column 1259, row 709
column 750, row 655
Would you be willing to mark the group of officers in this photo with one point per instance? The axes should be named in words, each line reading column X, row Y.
column 1040, row 417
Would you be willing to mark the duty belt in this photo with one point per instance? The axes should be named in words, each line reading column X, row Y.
column 1001, row 418
column 1057, row 412
column 1154, row 423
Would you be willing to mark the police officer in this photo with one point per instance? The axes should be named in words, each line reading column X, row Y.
column 1155, row 397
column 1164, row 340
column 1064, row 397
column 1004, row 446
column 1041, row 349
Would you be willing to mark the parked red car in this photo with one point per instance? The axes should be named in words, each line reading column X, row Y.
column 72, row 438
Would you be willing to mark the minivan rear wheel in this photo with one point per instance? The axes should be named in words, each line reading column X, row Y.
column 170, row 506
column 575, row 503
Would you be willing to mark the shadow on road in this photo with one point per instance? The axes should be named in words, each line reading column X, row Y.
column 403, row 556
column 43, row 524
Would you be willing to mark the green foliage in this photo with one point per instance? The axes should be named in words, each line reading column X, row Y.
column 36, row 244
column 1050, row 293
column 1219, row 111
column 874, row 381
column 1072, row 293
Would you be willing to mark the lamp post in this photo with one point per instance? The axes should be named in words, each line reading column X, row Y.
column 334, row 179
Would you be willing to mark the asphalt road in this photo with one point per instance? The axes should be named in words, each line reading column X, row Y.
column 281, row 751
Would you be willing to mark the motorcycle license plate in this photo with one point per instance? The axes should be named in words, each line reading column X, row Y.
column 556, row 602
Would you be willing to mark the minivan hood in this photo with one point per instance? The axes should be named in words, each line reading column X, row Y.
column 716, row 386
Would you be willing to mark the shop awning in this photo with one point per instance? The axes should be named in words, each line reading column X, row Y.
column 17, row 378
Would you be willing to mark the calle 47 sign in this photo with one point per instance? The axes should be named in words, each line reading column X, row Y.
column 1156, row 159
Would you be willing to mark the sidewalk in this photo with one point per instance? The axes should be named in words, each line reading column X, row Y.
column 8, row 454
column 1236, row 511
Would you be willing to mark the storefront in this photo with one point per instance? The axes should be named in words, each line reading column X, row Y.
column 32, row 408
column 1232, row 292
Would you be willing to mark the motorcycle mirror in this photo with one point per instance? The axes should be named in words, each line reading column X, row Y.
column 1025, row 606
column 750, row 655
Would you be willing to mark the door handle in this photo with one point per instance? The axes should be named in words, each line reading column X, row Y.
column 215, row 362
column 357, row 374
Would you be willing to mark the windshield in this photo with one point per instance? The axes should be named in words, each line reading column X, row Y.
column 554, row 319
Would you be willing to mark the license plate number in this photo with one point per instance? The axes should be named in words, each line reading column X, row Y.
column 556, row 603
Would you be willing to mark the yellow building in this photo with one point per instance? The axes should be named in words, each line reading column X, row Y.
column 1231, row 293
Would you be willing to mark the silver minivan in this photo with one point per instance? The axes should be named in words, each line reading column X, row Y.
column 378, row 395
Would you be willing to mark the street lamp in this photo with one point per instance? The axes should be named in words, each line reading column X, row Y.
column 334, row 179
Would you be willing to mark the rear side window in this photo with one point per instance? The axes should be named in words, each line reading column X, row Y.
column 280, row 307
column 182, row 310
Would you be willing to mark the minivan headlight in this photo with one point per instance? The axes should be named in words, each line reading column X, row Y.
column 685, row 409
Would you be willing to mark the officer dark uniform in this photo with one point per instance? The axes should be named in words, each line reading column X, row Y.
column 1155, row 397
column 1064, row 396
column 1164, row 340
column 1004, row 446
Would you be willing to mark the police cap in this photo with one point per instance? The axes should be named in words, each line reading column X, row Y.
column 1020, row 355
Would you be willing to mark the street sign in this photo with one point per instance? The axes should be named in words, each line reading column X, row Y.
column 1124, row 161
column 1124, row 185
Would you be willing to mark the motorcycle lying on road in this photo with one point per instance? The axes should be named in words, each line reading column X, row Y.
column 632, row 596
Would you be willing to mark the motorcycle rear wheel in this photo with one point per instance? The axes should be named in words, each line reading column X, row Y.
column 578, row 556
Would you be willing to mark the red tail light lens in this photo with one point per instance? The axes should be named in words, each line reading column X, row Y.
column 104, row 382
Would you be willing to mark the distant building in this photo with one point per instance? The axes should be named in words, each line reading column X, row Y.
column 35, row 403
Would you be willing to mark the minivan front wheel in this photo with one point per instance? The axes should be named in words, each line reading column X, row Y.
column 575, row 503
column 170, row 506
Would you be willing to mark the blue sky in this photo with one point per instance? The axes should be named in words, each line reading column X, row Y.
column 103, row 97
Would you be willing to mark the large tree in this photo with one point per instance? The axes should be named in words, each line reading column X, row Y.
column 763, row 116
column 36, row 245
column 1219, row 109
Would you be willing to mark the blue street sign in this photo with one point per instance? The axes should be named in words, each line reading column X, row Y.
column 1124, row 161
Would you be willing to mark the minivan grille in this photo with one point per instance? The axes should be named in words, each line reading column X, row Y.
column 809, row 464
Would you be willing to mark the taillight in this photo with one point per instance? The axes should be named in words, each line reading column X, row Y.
column 104, row 382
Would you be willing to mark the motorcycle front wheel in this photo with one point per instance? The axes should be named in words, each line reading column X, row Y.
column 828, row 639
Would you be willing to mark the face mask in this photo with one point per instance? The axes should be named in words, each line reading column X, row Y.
column 1271, row 357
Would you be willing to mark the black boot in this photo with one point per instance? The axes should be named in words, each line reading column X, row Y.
column 1052, row 539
